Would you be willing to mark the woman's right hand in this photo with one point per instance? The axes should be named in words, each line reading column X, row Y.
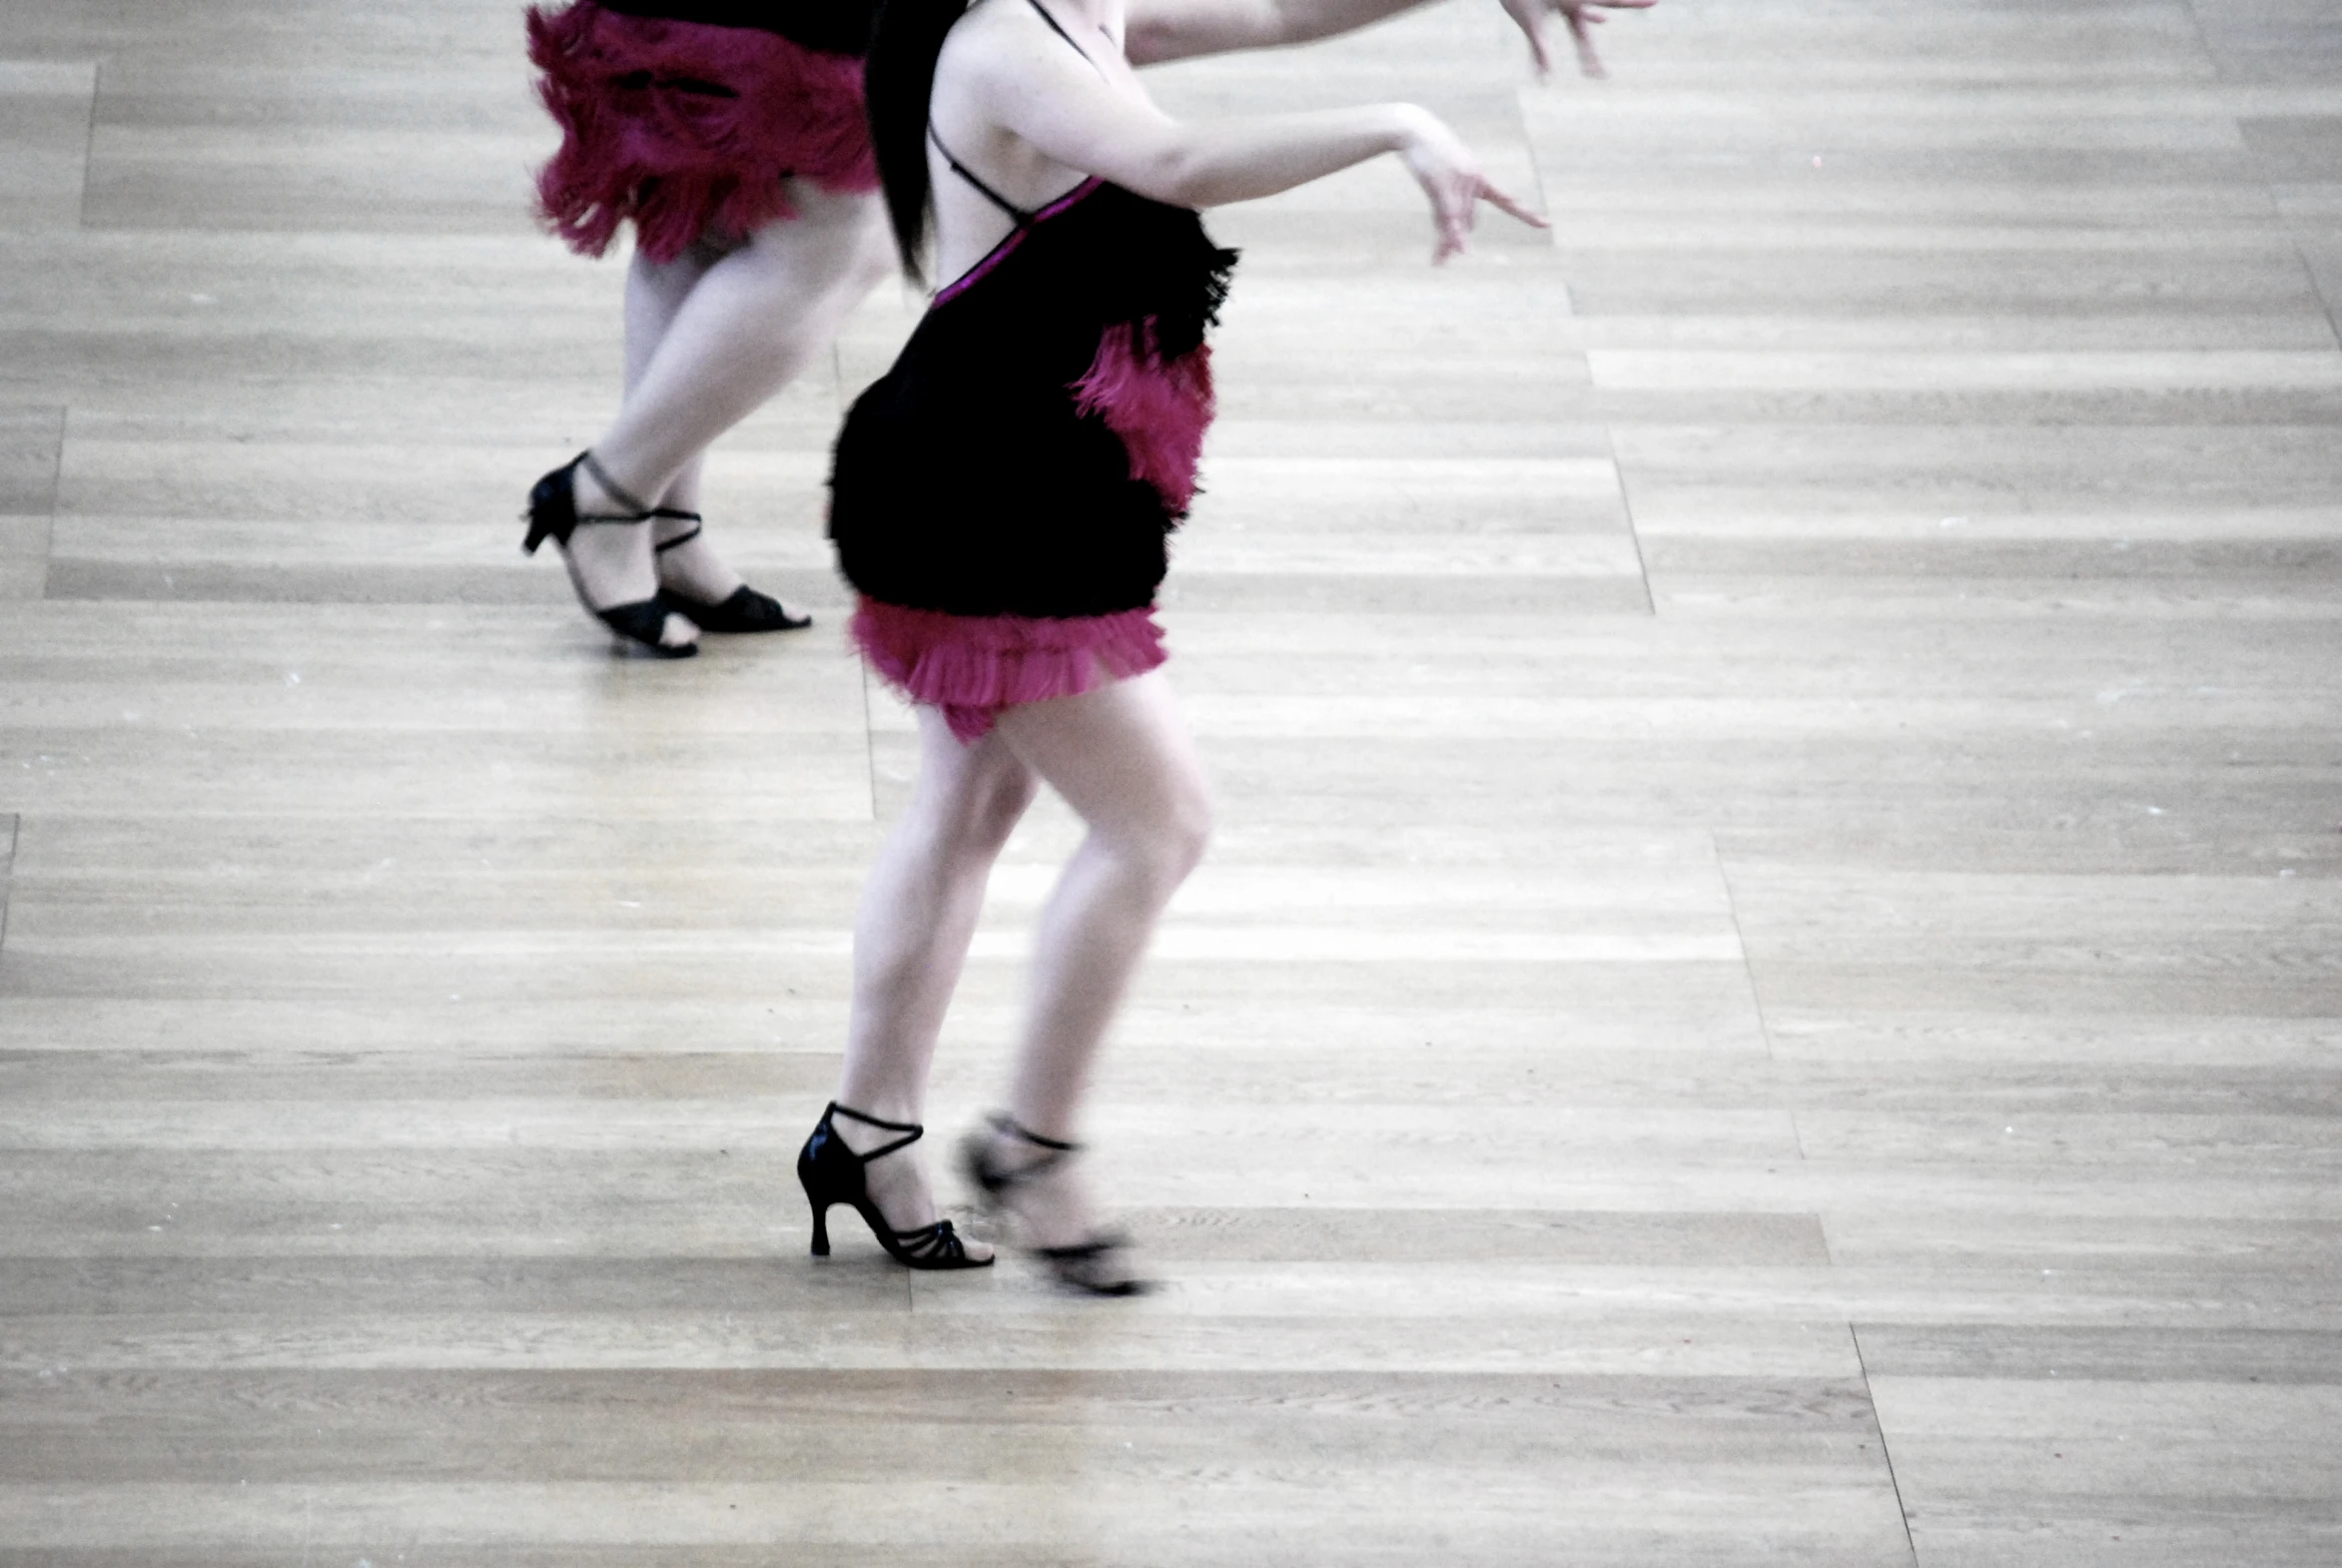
column 1582, row 15
column 1450, row 175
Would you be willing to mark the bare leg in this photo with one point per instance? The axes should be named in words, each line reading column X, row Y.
column 655, row 290
column 1120, row 756
column 910, row 936
column 716, row 340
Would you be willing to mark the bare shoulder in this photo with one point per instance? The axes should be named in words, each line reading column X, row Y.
column 1000, row 41
column 975, row 38
column 982, row 64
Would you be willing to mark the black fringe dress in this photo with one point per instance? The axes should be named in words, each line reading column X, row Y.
column 1002, row 498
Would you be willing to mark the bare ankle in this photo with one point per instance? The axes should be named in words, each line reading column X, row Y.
column 689, row 563
column 601, row 493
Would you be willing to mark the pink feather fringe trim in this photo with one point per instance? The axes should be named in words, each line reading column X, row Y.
column 643, row 138
column 972, row 666
column 1160, row 408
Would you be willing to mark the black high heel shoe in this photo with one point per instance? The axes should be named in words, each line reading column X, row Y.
column 831, row 1173
column 745, row 611
column 1097, row 1263
column 552, row 514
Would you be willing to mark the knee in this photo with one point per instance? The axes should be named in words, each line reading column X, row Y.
column 1190, row 834
column 1167, row 849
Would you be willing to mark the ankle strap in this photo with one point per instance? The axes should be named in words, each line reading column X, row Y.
column 912, row 1132
column 685, row 538
column 611, row 487
column 1008, row 1126
column 866, row 1120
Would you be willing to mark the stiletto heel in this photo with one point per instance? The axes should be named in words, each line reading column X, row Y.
column 831, row 1174
column 1097, row 1263
column 745, row 611
column 552, row 514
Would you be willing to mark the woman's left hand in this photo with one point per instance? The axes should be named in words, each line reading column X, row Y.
column 1450, row 176
column 1536, row 20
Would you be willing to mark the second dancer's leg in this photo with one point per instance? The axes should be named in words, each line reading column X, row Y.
column 703, row 356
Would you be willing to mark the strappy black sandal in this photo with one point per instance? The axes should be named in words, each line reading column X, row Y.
column 552, row 514
column 745, row 611
column 831, row 1174
column 1099, row 1264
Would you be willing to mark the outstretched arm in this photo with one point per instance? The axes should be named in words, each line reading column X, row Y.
column 1031, row 85
column 1160, row 30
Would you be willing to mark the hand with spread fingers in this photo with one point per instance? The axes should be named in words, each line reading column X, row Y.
column 1582, row 17
column 1451, row 177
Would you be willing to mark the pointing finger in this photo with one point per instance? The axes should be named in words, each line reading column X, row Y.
column 1506, row 204
column 1540, row 52
column 1581, row 33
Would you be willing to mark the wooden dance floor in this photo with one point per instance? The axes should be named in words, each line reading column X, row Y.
column 1769, row 986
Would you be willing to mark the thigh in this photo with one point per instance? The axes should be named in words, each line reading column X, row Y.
column 1120, row 755
column 669, row 282
column 969, row 791
column 834, row 238
column 655, row 290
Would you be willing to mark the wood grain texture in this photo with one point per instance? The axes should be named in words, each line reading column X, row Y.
column 1766, row 989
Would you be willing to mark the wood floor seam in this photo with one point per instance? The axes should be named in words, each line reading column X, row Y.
column 1885, row 1449
column 2325, row 293
column 1741, row 936
column 88, row 143
column 1626, row 503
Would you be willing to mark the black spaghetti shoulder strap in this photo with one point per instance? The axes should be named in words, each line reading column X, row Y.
column 1054, row 27
column 1018, row 215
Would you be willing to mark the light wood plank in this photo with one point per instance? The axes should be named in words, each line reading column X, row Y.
column 1765, row 988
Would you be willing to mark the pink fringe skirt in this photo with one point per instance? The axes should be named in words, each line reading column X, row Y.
column 684, row 128
column 974, row 666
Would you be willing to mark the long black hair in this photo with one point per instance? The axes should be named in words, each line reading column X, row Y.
column 898, row 79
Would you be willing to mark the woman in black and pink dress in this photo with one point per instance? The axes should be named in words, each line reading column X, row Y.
column 730, row 135
column 1002, row 500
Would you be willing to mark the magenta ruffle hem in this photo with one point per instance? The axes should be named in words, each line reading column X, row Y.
column 974, row 667
column 686, row 128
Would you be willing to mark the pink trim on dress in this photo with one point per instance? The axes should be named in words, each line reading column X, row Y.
column 975, row 666
column 1009, row 243
column 687, row 127
column 1160, row 408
